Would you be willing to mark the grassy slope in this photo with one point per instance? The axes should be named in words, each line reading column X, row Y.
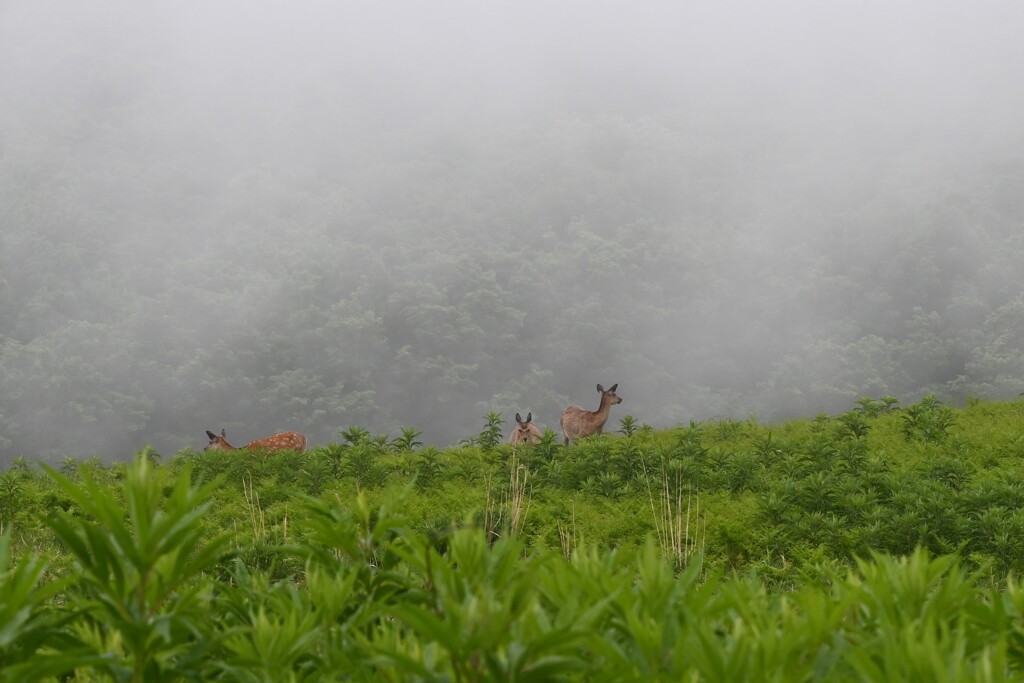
column 781, row 498
column 366, row 592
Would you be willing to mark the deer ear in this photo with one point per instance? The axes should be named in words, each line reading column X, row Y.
column 224, row 433
column 614, row 387
column 600, row 388
column 529, row 416
column 519, row 419
column 211, row 435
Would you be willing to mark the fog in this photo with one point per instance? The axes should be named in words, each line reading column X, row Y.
column 311, row 215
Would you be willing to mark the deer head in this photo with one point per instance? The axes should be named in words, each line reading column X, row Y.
column 610, row 396
column 524, row 432
column 218, row 443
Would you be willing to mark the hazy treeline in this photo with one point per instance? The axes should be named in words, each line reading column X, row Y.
column 293, row 239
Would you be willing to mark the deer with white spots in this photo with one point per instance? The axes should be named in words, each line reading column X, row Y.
column 284, row 441
column 578, row 423
column 525, row 431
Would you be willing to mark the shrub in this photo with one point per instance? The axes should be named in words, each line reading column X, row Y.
column 140, row 593
column 927, row 420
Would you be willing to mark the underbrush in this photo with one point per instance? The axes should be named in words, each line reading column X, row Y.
column 377, row 553
column 777, row 499
column 144, row 592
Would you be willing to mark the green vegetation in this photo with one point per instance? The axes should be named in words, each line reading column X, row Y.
column 876, row 545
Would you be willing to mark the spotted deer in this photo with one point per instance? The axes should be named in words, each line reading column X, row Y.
column 578, row 423
column 285, row 441
column 525, row 431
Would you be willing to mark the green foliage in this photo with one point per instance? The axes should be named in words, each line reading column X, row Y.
column 429, row 469
column 407, row 441
column 787, row 550
column 854, row 424
column 492, row 434
column 149, row 453
column 871, row 407
column 545, row 450
column 728, row 429
column 384, row 603
column 30, row 620
column 355, row 436
column 627, row 425
column 362, row 465
column 334, row 455
column 69, row 466
column 317, row 471
column 10, row 494
column 380, row 443
column 140, row 568
column 927, row 420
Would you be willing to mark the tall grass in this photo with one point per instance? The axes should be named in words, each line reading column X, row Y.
column 832, row 549
column 673, row 516
column 518, row 501
column 257, row 520
column 567, row 536
column 146, row 597
column 674, row 525
column 507, row 513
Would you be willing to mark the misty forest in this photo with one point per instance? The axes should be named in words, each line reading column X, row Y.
column 411, row 215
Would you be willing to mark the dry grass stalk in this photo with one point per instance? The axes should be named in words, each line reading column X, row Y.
column 672, row 525
column 252, row 500
column 518, row 496
column 567, row 536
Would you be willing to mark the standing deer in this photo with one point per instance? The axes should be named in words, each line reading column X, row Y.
column 285, row 441
column 525, row 431
column 578, row 423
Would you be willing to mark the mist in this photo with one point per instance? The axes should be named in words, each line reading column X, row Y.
column 317, row 215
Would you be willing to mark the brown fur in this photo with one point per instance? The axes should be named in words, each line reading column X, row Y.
column 578, row 423
column 525, row 431
column 284, row 441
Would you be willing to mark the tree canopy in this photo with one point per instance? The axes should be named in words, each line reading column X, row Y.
column 290, row 252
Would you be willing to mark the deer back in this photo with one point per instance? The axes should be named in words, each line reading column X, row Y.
column 283, row 441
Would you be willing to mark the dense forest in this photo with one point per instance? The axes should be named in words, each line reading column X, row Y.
column 202, row 235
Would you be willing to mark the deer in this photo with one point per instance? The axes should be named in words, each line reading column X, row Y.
column 284, row 441
column 525, row 431
column 578, row 423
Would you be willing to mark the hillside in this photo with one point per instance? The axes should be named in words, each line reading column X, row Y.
column 723, row 550
column 776, row 498
column 201, row 233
